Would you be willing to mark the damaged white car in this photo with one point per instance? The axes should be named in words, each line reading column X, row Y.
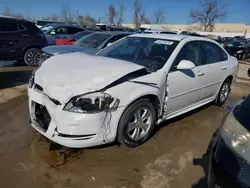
column 79, row 100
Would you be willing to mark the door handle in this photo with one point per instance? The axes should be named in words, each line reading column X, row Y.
column 201, row 73
column 224, row 68
column 25, row 35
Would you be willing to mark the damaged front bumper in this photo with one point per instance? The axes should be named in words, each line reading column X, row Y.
column 69, row 129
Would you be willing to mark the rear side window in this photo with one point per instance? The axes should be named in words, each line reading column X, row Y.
column 73, row 30
column 212, row 53
column 59, row 31
column 21, row 27
column 8, row 27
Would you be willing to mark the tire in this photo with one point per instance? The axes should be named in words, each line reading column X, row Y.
column 32, row 56
column 223, row 93
column 131, row 132
column 243, row 56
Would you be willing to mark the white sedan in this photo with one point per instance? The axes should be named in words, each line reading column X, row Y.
column 79, row 100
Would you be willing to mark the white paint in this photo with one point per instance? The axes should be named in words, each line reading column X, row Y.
column 68, row 75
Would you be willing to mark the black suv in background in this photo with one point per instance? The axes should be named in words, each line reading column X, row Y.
column 21, row 40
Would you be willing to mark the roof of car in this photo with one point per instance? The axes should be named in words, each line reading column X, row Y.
column 12, row 19
column 114, row 32
column 162, row 36
column 63, row 25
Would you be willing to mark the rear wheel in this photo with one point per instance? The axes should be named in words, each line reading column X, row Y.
column 223, row 93
column 137, row 123
column 32, row 57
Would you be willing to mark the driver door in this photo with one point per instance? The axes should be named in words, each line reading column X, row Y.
column 184, row 85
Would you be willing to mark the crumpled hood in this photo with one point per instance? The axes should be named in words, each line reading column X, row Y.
column 65, row 76
column 62, row 49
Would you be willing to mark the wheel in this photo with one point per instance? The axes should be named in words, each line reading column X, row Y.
column 223, row 93
column 32, row 57
column 137, row 123
column 243, row 56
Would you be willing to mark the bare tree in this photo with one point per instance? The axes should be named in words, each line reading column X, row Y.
column 210, row 11
column 101, row 19
column 112, row 14
column 137, row 10
column 86, row 20
column 6, row 12
column 159, row 16
column 67, row 14
column 121, row 14
column 139, row 15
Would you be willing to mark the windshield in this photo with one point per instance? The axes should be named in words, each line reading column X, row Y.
column 80, row 35
column 151, row 53
column 46, row 28
column 93, row 40
column 242, row 113
column 238, row 44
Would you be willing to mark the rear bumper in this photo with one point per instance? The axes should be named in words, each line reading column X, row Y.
column 226, row 169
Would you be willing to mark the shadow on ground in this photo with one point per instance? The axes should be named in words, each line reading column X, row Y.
column 14, row 78
column 202, row 162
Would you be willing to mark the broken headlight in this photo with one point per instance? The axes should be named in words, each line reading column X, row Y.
column 90, row 103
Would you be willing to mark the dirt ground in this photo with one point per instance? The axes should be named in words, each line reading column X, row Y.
column 172, row 158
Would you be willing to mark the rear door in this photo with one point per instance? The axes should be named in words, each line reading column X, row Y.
column 214, row 71
column 13, row 38
column 58, row 33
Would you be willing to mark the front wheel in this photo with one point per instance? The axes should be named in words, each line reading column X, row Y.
column 243, row 56
column 137, row 123
column 223, row 93
column 32, row 57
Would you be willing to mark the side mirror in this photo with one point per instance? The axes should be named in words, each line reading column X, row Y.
column 52, row 33
column 248, row 72
column 110, row 43
column 185, row 65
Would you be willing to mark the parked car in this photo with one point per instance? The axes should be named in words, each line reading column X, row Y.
column 40, row 23
column 59, row 31
column 229, row 149
column 90, row 44
column 20, row 40
column 238, row 48
column 79, row 100
column 73, row 38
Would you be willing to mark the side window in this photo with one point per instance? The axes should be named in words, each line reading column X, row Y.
column 21, row 27
column 118, row 37
column 248, row 44
column 73, row 30
column 8, row 27
column 191, row 52
column 59, row 31
column 213, row 53
column 223, row 55
column 114, row 39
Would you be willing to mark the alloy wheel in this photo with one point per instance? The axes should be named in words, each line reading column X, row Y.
column 224, row 92
column 140, row 123
column 33, row 57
